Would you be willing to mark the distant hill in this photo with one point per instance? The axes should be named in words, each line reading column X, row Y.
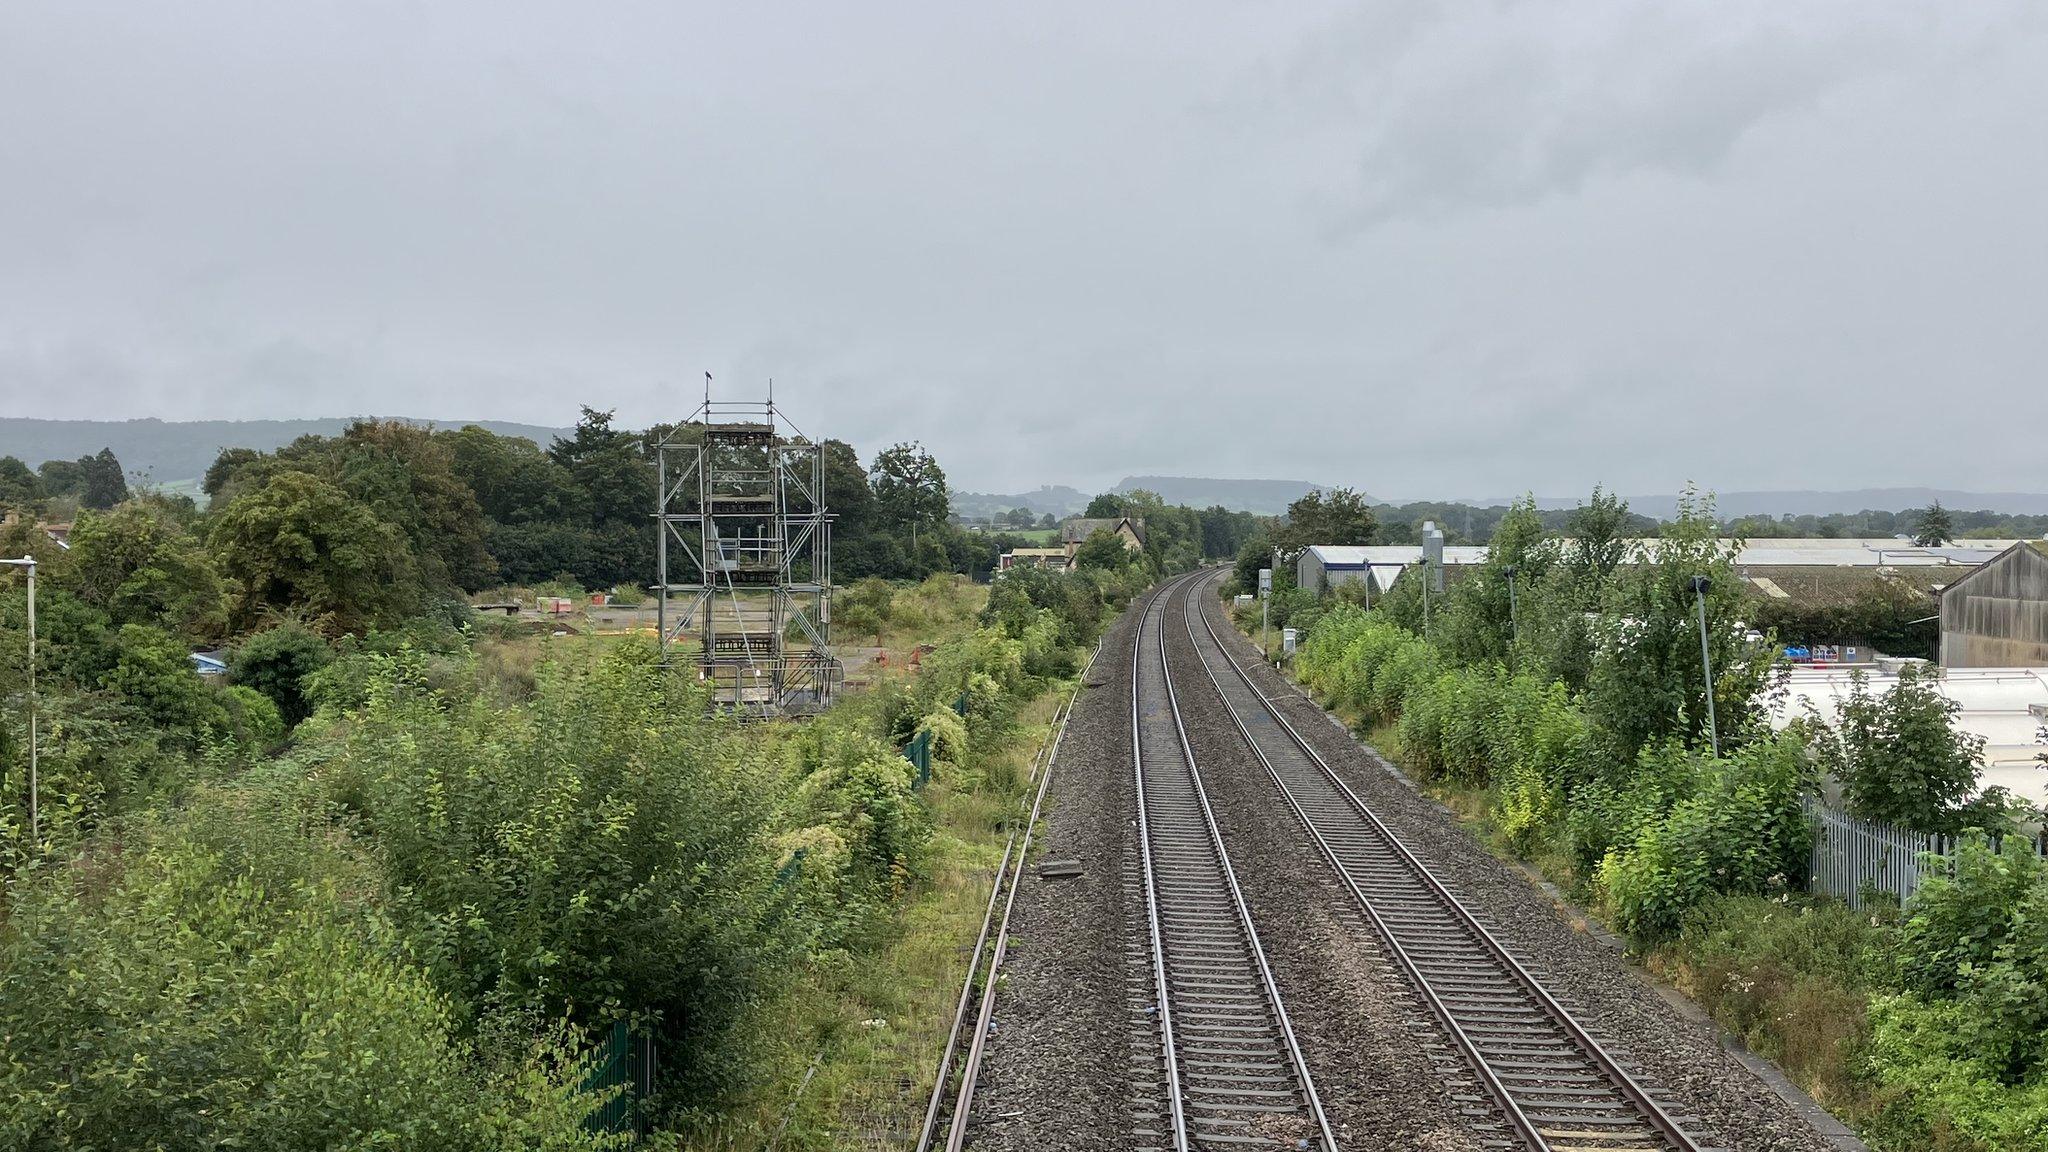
column 169, row 451
column 1266, row 497
column 1732, row 505
column 1057, row 499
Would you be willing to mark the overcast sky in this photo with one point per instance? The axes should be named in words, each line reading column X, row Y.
column 1423, row 248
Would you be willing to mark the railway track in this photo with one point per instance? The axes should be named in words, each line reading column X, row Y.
column 954, row 1083
column 1550, row 1084
column 1228, row 1072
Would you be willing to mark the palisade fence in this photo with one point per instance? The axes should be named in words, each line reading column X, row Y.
column 1854, row 859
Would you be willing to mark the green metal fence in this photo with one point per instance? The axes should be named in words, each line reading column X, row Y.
column 625, row 1062
column 919, row 753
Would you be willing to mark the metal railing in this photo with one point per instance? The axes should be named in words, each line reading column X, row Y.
column 1853, row 859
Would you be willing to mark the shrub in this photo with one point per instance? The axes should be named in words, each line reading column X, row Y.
column 1938, row 1091
column 277, row 662
column 1741, row 830
column 603, row 854
column 183, row 1004
column 1791, row 977
column 1899, row 756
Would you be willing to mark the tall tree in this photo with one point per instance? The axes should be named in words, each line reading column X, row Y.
column 301, row 543
column 535, row 513
column 1597, row 538
column 1933, row 528
column 910, row 492
column 102, row 483
column 1108, row 504
column 407, row 477
column 1647, row 680
column 141, row 563
column 1337, row 516
column 612, row 469
column 19, row 485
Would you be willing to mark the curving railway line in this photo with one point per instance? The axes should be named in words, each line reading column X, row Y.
column 1551, row 1084
column 1228, row 1072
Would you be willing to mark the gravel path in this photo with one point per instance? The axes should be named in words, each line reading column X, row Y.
column 1683, row 1057
column 1057, row 1073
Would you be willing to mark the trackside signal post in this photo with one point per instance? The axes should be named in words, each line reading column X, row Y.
column 744, row 558
column 1265, row 598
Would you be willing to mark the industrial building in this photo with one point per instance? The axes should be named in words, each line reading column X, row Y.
column 2007, row 707
column 1776, row 568
column 1321, row 567
column 1996, row 616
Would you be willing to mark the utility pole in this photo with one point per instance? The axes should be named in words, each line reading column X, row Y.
column 1514, row 631
column 1699, row 589
column 35, row 831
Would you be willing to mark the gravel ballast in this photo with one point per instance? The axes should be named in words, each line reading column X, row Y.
column 1057, row 1073
column 1682, row 1056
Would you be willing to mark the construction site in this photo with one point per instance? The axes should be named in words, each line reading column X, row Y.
column 744, row 560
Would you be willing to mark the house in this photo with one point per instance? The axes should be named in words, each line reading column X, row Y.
column 1055, row 558
column 210, row 664
column 1321, row 567
column 1996, row 616
column 1075, row 533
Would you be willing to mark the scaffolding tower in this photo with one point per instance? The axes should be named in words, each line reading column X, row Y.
column 744, row 558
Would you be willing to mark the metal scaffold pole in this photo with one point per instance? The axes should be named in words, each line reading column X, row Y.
column 744, row 534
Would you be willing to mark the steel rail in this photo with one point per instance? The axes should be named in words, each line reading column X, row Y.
column 1656, row 1118
column 970, row 1071
column 1159, row 983
column 1258, row 951
column 970, row 1075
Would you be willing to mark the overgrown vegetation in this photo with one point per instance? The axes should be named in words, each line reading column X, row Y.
column 1573, row 721
column 391, row 880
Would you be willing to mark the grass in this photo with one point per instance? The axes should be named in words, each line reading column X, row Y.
column 851, row 1049
column 1793, row 978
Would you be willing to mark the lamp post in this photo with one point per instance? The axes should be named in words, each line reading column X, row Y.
column 1699, row 591
column 34, row 703
column 1514, row 632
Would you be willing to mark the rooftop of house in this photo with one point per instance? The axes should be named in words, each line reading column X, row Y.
column 1077, row 530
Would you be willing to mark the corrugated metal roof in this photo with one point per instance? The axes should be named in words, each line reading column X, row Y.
column 1855, row 552
column 1352, row 556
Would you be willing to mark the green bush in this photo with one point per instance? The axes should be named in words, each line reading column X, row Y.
column 1739, row 829
column 171, row 1000
column 277, row 662
column 1938, row 1091
column 603, row 853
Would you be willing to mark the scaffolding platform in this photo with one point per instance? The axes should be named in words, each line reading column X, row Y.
column 744, row 559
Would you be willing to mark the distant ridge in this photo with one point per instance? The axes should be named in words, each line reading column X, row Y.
column 1266, row 497
column 172, row 450
column 1057, row 500
column 1733, row 505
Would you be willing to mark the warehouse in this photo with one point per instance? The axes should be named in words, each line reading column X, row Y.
column 1324, row 566
column 2005, row 707
column 1997, row 615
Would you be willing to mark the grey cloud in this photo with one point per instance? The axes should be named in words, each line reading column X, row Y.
column 1420, row 248
column 1477, row 105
